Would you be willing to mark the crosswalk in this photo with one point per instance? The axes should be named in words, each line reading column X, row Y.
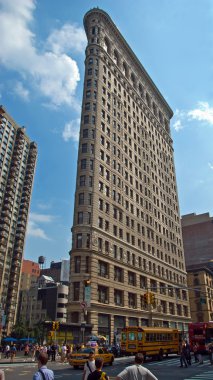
column 175, row 362
column 204, row 376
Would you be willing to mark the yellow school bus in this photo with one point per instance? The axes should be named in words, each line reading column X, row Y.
column 151, row 341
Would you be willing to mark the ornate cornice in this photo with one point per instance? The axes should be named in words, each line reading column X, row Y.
column 107, row 19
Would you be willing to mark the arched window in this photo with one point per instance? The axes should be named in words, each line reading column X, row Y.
column 133, row 79
column 106, row 45
column 125, row 69
column 141, row 90
column 148, row 100
column 166, row 125
column 116, row 57
column 160, row 116
column 154, row 108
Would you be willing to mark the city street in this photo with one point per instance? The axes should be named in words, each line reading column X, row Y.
column 162, row 370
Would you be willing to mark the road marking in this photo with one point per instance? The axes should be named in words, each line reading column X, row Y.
column 173, row 362
column 202, row 376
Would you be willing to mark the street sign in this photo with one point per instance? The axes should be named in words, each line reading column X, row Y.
column 87, row 295
column 83, row 304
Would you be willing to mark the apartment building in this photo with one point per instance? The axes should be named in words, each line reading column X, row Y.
column 46, row 300
column 29, row 274
column 197, row 238
column 126, row 230
column 17, row 161
column 200, row 283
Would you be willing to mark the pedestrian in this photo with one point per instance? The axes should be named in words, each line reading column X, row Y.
column 200, row 356
column 183, row 355
column 98, row 374
column 63, row 352
column 13, row 351
column 37, row 352
column 43, row 372
column 26, row 350
column 210, row 350
column 89, row 366
column 49, row 351
column 2, row 377
column 188, row 353
column 195, row 350
column 53, row 352
column 7, row 351
column 136, row 371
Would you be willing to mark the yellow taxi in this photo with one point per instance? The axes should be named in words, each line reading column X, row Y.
column 79, row 358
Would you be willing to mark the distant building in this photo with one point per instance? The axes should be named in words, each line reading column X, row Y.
column 59, row 271
column 200, row 283
column 17, row 167
column 46, row 300
column 197, row 233
column 29, row 274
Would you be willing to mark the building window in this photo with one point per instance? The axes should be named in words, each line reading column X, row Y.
column 85, row 133
column 118, row 274
column 131, row 278
column 91, row 165
column 81, row 199
column 77, row 260
column 143, row 282
column 82, row 180
column 79, row 241
column 76, row 291
column 87, row 264
column 80, row 217
column 118, row 297
column 88, row 241
column 132, row 300
column 102, row 294
column 103, row 269
column 84, row 149
column 83, row 163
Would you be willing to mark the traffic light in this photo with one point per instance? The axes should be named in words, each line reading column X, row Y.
column 57, row 324
column 50, row 334
column 87, row 283
column 152, row 298
column 54, row 326
column 146, row 298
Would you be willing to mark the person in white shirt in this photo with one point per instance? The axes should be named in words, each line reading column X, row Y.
column 136, row 371
column 63, row 353
column 7, row 351
column 89, row 366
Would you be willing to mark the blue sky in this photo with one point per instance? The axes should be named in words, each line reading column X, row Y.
column 41, row 81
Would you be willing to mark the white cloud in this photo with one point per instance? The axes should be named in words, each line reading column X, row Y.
column 202, row 113
column 44, row 218
column 71, row 130
column 53, row 73
column 177, row 125
column 33, row 229
column 21, row 91
column 210, row 165
column 44, row 206
column 68, row 38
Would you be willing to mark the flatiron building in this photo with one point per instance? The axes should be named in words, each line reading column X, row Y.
column 126, row 234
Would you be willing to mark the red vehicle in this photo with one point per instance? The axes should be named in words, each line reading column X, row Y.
column 201, row 333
